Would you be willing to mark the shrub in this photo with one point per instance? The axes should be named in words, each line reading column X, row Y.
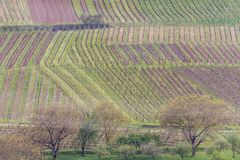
column 127, row 151
column 217, row 156
column 137, row 139
column 210, row 150
column 182, row 150
column 91, row 19
column 150, row 149
column 101, row 151
column 113, row 149
column 221, row 144
column 166, row 150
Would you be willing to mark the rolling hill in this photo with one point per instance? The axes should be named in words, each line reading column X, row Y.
column 146, row 53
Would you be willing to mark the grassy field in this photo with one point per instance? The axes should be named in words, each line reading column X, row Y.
column 72, row 155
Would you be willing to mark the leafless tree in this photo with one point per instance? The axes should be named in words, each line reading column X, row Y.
column 51, row 126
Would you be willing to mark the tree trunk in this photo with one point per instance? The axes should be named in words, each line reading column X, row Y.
column 153, row 157
column 107, row 139
column 54, row 154
column 233, row 152
column 125, row 157
column 83, row 151
column 193, row 149
column 182, row 157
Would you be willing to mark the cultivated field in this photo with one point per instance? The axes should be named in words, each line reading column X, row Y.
column 119, row 79
column 150, row 51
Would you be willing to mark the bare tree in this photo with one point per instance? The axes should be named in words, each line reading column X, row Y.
column 51, row 126
column 109, row 118
column 195, row 116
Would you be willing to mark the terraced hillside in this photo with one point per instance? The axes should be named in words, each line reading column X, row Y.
column 145, row 53
column 121, row 11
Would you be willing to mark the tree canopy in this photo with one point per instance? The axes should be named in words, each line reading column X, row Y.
column 195, row 115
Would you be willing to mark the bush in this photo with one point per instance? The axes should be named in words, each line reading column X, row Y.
column 113, row 149
column 101, row 151
column 210, row 150
column 221, row 144
column 127, row 151
column 92, row 19
column 182, row 150
column 217, row 156
column 137, row 139
column 166, row 150
column 150, row 149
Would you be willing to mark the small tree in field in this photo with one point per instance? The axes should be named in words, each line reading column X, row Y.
column 195, row 116
column 234, row 141
column 109, row 118
column 87, row 132
column 51, row 126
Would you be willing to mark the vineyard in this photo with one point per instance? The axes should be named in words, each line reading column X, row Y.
column 145, row 53
column 121, row 11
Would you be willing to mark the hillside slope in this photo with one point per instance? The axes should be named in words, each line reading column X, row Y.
column 149, row 52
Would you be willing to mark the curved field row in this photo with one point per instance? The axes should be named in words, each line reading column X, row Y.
column 77, row 84
column 156, row 34
column 168, row 34
column 161, row 34
column 159, row 54
column 14, row 12
column 121, row 11
column 141, row 92
column 161, row 11
column 23, row 49
column 24, row 91
column 89, row 48
column 219, row 81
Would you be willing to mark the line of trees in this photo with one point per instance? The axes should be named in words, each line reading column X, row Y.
column 51, row 126
column 196, row 116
